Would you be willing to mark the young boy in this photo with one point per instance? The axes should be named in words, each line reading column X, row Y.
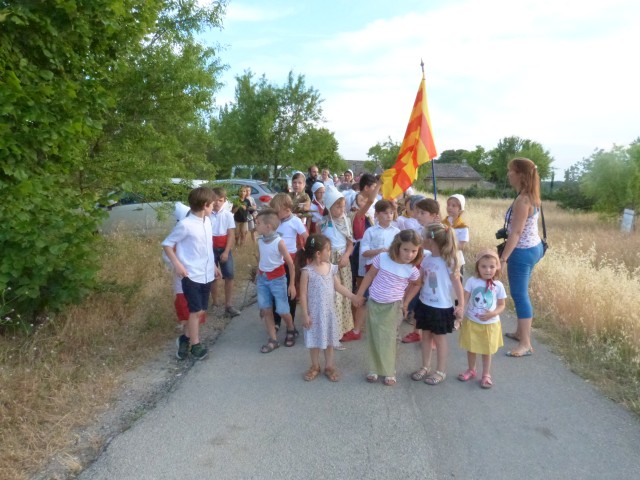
column 223, row 227
column 376, row 240
column 290, row 227
column 194, row 263
column 271, row 280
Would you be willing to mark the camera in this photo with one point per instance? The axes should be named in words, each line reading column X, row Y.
column 502, row 233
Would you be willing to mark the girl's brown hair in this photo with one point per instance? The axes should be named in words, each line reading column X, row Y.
column 406, row 236
column 529, row 178
column 445, row 238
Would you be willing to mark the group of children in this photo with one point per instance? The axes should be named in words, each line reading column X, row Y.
column 354, row 268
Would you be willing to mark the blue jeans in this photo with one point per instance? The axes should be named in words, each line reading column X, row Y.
column 519, row 268
column 269, row 290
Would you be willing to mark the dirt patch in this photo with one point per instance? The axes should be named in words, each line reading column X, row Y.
column 139, row 393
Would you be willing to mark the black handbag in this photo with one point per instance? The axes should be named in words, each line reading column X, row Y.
column 545, row 245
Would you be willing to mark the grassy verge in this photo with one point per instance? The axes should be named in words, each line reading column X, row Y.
column 63, row 376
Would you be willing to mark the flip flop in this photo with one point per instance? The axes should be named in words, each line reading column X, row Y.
column 526, row 353
column 512, row 336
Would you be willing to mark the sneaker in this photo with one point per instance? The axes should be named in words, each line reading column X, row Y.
column 340, row 347
column 232, row 311
column 198, row 351
column 182, row 342
column 412, row 337
column 351, row 336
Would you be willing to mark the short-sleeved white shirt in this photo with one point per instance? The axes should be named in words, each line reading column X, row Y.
column 191, row 238
column 437, row 287
column 377, row 237
column 483, row 299
column 289, row 230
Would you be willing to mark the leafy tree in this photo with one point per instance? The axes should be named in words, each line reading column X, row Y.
column 269, row 125
column 607, row 182
column 453, row 156
column 71, row 76
column 382, row 156
column 511, row 147
column 478, row 159
column 318, row 146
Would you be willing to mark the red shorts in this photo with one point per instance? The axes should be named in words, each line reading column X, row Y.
column 182, row 309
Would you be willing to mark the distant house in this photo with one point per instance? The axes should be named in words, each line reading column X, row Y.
column 454, row 176
column 356, row 166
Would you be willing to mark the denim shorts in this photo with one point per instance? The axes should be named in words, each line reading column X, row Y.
column 197, row 294
column 268, row 290
column 225, row 267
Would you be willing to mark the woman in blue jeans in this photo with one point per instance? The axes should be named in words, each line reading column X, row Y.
column 524, row 247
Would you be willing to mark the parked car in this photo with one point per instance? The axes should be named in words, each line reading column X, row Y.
column 261, row 192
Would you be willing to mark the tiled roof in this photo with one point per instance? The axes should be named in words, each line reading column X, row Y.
column 453, row 170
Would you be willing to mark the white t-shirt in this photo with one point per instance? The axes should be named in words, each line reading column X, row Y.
column 437, row 287
column 289, row 230
column 191, row 238
column 482, row 299
column 377, row 237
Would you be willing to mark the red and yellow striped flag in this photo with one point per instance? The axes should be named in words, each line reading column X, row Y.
column 417, row 148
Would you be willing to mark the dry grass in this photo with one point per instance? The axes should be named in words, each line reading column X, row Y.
column 585, row 293
column 69, row 371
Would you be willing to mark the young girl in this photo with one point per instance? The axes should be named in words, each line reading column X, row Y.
column 481, row 332
column 455, row 207
column 387, row 280
column 317, row 206
column 336, row 227
column 435, row 313
column 318, row 282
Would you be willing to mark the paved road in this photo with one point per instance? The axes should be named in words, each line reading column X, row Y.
column 241, row 414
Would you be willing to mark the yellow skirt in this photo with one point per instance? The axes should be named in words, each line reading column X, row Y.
column 481, row 339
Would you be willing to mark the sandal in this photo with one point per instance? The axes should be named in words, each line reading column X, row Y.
column 290, row 339
column 486, row 381
column 312, row 373
column 372, row 377
column 420, row 374
column 270, row 346
column 390, row 381
column 467, row 375
column 435, row 378
column 332, row 374
column 512, row 336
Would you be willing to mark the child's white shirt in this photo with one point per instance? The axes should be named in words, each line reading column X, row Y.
column 377, row 237
column 437, row 287
column 482, row 300
column 191, row 238
column 289, row 230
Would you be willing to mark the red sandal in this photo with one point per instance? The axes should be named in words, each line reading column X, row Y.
column 467, row 375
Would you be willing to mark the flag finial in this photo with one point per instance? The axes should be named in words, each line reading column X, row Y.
column 422, row 67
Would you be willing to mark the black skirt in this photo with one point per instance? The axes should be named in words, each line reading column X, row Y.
column 438, row 321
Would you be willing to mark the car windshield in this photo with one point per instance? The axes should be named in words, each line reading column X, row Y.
column 266, row 187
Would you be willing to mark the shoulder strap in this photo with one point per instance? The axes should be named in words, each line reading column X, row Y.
column 544, row 227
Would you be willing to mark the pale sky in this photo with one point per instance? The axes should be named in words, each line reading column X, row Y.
column 563, row 73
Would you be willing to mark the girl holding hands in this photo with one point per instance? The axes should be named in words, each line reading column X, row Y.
column 435, row 313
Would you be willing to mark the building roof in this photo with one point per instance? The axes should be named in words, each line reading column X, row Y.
column 456, row 171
